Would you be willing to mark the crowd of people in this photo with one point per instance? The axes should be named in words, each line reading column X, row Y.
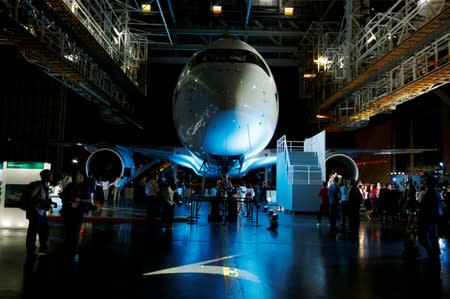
column 424, row 209
column 340, row 199
column 77, row 198
column 227, row 201
column 421, row 208
column 80, row 194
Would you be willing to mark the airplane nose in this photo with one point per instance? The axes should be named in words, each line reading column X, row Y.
column 227, row 133
column 231, row 112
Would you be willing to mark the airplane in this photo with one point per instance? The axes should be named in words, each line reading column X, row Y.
column 225, row 110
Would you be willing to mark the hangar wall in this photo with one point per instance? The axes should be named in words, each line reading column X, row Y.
column 32, row 108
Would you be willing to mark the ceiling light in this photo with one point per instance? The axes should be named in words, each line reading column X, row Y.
column 217, row 10
column 309, row 75
column 288, row 11
column 146, row 8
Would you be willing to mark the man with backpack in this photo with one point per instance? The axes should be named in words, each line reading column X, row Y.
column 38, row 203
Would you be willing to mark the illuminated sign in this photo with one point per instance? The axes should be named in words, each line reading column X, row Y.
column 25, row 165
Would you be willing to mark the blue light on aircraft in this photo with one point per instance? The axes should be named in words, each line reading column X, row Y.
column 225, row 111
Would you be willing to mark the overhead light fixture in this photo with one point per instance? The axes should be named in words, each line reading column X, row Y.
column 288, row 11
column 75, row 6
column 321, row 60
column 146, row 8
column 321, row 116
column 309, row 75
column 371, row 38
column 217, row 10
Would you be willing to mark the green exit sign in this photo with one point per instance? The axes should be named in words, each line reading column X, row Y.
column 25, row 165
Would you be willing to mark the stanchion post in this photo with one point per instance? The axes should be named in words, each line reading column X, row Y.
column 191, row 210
column 257, row 214
column 225, row 209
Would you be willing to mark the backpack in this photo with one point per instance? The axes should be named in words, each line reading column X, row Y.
column 26, row 198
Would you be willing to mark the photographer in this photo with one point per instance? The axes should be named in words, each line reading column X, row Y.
column 36, row 213
column 76, row 200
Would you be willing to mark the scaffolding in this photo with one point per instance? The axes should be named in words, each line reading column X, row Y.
column 88, row 46
column 397, row 56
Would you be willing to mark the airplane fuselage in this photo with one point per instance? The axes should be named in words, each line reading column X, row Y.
column 225, row 102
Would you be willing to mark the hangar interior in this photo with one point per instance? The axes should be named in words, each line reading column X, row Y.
column 358, row 64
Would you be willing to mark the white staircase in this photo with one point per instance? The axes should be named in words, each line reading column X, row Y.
column 299, row 177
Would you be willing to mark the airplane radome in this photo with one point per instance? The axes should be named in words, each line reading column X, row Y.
column 225, row 111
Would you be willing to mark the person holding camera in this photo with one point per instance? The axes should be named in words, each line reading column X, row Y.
column 36, row 213
column 76, row 201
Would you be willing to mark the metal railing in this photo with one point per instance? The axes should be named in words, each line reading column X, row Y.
column 294, row 171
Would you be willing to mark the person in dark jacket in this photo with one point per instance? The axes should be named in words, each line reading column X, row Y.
column 323, row 203
column 36, row 214
column 355, row 200
column 334, row 203
column 430, row 213
column 76, row 198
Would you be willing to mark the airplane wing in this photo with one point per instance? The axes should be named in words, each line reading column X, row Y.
column 178, row 155
column 117, row 160
column 181, row 156
column 381, row 151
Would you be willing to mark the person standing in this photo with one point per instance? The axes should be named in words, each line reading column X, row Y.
column 447, row 207
column 153, row 203
column 242, row 190
column 36, row 214
column 75, row 200
column 430, row 213
column 118, row 185
column 263, row 194
column 167, row 191
column 384, row 203
column 333, row 197
column 345, row 205
column 323, row 201
column 355, row 199
column 90, row 181
column 331, row 177
column 214, row 214
column 411, row 207
column 249, row 200
column 105, row 187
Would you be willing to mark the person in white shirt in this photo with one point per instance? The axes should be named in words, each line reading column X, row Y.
column 118, row 185
column 105, row 186
column 249, row 200
column 242, row 191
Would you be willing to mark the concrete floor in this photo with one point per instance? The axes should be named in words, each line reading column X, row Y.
column 222, row 260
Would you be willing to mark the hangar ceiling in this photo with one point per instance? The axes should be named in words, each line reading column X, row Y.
column 356, row 58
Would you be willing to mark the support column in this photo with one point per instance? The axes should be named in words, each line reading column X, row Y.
column 411, row 145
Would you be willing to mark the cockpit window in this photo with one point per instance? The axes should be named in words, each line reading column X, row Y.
column 228, row 55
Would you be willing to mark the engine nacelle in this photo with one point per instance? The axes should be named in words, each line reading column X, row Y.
column 109, row 163
column 343, row 164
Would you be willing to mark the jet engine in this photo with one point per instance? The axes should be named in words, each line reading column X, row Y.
column 108, row 163
column 343, row 164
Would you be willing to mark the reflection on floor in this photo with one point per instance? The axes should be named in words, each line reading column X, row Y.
column 242, row 259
